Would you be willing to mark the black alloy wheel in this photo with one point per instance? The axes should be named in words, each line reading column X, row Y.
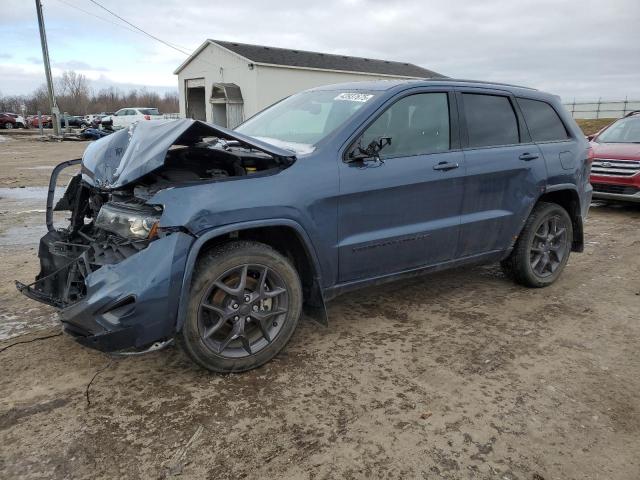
column 245, row 303
column 241, row 312
column 549, row 246
column 542, row 248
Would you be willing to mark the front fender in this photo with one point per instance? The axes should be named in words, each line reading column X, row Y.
column 318, row 312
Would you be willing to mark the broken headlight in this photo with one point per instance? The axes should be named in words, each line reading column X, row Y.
column 135, row 222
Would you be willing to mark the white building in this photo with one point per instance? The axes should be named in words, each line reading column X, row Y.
column 226, row 82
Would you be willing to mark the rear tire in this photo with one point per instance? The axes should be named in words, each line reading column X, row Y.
column 542, row 249
column 244, row 305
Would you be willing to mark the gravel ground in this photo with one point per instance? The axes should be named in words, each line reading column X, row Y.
column 457, row 375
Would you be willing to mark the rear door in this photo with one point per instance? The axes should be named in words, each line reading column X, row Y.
column 505, row 171
column 403, row 211
column 562, row 152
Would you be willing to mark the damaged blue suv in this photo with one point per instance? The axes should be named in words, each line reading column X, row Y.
column 220, row 238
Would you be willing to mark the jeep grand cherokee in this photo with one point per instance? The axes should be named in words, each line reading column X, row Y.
column 219, row 238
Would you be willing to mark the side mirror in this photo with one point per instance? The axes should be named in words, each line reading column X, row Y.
column 371, row 151
column 591, row 137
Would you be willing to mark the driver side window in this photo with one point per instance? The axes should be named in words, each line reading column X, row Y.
column 417, row 125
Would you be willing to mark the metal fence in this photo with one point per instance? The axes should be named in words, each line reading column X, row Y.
column 602, row 108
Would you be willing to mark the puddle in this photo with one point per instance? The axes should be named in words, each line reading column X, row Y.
column 25, row 235
column 22, row 214
column 36, row 194
column 15, row 325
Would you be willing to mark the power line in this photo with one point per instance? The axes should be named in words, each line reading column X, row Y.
column 139, row 29
column 98, row 16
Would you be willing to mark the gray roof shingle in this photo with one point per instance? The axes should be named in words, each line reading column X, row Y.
column 325, row 61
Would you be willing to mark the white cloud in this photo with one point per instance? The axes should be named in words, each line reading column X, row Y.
column 581, row 48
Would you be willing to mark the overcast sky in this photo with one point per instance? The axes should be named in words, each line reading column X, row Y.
column 575, row 48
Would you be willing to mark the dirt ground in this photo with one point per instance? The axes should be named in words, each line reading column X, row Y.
column 459, row 375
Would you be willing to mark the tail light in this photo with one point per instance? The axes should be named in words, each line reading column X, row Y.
column 147, row 117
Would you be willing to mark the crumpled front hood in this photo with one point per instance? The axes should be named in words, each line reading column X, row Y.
column 129, row 154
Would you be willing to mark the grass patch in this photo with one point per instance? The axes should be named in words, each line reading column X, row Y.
column 592, row 125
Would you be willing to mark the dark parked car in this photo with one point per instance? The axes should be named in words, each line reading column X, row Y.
column 7, row 121
column 73, row 121
column 221, row 238
column 615, row 173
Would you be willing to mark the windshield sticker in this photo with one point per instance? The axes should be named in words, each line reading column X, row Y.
column 354, row 97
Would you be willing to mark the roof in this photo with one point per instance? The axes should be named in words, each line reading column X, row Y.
column 262, row 55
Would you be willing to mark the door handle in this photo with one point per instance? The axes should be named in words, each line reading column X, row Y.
column 444, row 166
column 528, row 156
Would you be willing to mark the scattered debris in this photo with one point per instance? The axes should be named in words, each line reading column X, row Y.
column 94, row 133
column 93, row 378
column 426, row 414
column 29, row 341
column 176, row 463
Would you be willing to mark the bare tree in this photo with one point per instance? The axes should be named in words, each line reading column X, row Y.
column 74, row 84
column 76, row 97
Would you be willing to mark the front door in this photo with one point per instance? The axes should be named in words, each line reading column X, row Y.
column 505, row 172
column 403, row 212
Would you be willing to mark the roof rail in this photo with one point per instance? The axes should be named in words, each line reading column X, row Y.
column 484, row 82
column 634, row 112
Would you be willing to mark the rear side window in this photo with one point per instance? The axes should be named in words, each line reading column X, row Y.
column 491, row 120
column 543, row 121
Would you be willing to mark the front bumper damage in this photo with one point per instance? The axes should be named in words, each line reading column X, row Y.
column 113, row 294
column 116, row 271
column 131, row 304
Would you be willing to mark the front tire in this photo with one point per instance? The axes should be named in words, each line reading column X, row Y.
column 245, row 303
column 542, row 250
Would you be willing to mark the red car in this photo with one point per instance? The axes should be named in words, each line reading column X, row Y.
column 46, row 121
column 615, row 172
column 7, row 121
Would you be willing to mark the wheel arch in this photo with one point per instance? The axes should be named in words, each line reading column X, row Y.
column 283, row 235
column 567, row 197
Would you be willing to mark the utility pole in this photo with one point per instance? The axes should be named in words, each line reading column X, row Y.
column 55, row 112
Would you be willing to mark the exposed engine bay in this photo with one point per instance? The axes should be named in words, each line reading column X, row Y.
column 110, row 222
column 204, row 161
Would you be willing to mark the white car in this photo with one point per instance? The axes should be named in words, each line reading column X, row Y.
column 129, row 115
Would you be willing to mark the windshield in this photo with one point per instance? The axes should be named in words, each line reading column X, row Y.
column 302, row 120
column 626, row 130
column 149, row 111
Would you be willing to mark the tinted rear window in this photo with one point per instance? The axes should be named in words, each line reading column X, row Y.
column 491, row 120
column 542, row 120
column 149, row 111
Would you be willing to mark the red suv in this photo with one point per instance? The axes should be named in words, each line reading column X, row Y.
column 615, row 173
column 7, row 121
